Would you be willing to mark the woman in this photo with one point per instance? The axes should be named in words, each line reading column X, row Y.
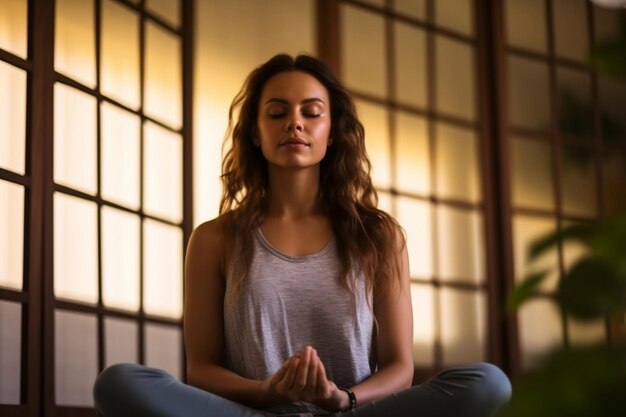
column 297, row 296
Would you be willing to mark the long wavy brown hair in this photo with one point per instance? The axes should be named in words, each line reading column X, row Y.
column 366, row 237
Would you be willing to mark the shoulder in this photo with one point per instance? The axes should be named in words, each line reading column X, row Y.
column 211, row 239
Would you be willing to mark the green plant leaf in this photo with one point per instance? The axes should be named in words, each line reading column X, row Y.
column 525, row 291
column 583, row 233
column 592, row 289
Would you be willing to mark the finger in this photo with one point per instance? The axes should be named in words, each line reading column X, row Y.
column 312, row 375
column 290, row 373
column 302, row 376
column 322, row 381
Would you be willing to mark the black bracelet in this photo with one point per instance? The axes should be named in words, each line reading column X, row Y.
column 351, row 396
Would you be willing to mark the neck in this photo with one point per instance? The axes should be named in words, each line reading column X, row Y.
column 294, row 193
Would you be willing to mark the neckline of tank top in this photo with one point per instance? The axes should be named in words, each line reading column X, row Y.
column 291, row 258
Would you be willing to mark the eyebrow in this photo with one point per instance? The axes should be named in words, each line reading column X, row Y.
column 305, row 101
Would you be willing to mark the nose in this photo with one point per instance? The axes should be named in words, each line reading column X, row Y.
column 294, row 123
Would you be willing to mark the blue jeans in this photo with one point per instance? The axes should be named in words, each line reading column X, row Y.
column 126, row 390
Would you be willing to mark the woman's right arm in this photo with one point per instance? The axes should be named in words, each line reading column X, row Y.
column 204, row 324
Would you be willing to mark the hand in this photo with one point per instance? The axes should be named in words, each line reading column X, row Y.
column 303, row 378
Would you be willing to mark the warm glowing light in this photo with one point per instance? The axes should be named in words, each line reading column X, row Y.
column 531, row 174
column 457, row 173
column 168, row 10
column 376, row 123
column 364, row 69
column 162, row 269
column 163, row 76
column 75, row 40
column 412, row 153
column 119, row 147
column 120, row 259
column 460, row 245
column 11, row 234
column 410, row 67
column 13, row 33
column 163, row 173
column 455, row 84
column 75, row 249
column 12, row 117
column 119, row 74
column 423, row 300
column 463, row 326
column 416, row 218
column 75, row 151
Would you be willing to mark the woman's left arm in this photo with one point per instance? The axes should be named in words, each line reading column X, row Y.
column 394, row 341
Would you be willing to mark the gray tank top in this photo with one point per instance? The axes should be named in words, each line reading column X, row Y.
column 288, row 302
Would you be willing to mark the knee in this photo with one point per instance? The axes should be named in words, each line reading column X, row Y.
column 496, row 384
column 111, row 380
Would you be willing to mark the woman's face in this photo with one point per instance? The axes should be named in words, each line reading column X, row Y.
column 293, row 125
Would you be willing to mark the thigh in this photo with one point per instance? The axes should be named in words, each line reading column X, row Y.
column 128, row 390
column 477, row 390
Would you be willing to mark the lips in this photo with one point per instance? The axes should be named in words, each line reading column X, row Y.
column 294, row 141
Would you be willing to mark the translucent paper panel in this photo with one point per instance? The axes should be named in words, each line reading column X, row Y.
column 163, row 76
column 75, row 40
column 12, row 117
column 531, row 174
column 119, row 76
column 461, row 245
column 540, row 329
column 526, row 24
column 164, row 348
column 612, row 98
column 413, row 8
column 75, row 151
column 375, row 119
column 529, row 93
column 168, row 10
column 363, row 60
column 120, row 259
column 120, row 157
column 571, row 33
column 410, row 65
column 423, row 299
column 586, row 333
column 416, row 218
column 75, row 249
column 412, row 154
column 10, row 352
column 163, row 173
column 455, row 15
column 526, row 230
column 575, row 107
column 463, row 326
column 578, row 181
column 13, row 27
column 614, row 170
column 163, row 269
column 457, row 173
column 11, row 235
column 76, row 358
column 455, row 78
column 121, row 338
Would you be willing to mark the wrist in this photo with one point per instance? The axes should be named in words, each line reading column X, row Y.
column 348, row 401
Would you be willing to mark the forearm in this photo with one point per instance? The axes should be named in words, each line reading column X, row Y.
column 227, row 384
column 387, row 380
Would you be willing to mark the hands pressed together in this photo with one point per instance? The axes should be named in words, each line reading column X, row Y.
column 303, row 378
